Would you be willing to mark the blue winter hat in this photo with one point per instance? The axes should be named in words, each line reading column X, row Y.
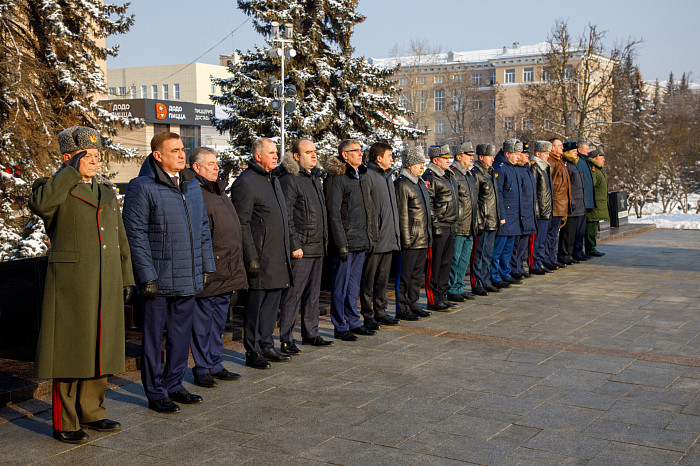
column 570, row 145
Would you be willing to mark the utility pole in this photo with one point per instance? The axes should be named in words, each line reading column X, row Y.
column 282, row 37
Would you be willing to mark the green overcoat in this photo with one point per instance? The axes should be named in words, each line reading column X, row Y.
column 600, row 188
column 82, row 319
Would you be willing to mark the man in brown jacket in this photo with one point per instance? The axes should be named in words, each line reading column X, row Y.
column 561, row 194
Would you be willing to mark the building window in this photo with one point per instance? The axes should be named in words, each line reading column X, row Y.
column 144, row 92
column 113, row 90
column 457, row 78
column 161, row 128
column 422, row 99
column 191, row 136
column 439, row 100
column 154, row 89
column 510, row 123
column 403, row 81
column 546, row 74
column 456, row 127
column 439, row 126
column 476, row 79
column 176, row 91
column 403, row 100
column 476, row 104
column 166, row 92
column 133, row 92
column 492, row 78
column 492, row 102
column 439, row 80
column 509, row 76
column 457, row 100
column 526, row 124
column 528, row 75
column 568, row 72
column 421, row 80
column 122, row 90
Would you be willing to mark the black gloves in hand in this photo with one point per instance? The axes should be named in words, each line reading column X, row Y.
column 370, row 251
column 128, row 293
column 343, row 254
column 253, row 268
column 75, row 160
column 206, row 278
column 149, row 289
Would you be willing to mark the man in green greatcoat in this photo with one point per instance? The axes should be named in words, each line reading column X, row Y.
column 596, row 160
column 88, row 278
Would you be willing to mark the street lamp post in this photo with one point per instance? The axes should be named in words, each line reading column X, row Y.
column 282, row 37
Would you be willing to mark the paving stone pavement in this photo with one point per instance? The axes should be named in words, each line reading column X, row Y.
column 598, row 363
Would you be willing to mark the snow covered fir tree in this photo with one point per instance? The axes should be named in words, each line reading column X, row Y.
column 338, row 96
column 52, row 61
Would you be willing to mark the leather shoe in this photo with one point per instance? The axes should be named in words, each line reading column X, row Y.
column 225, row 374
column 502, row 284
column 362, row 330
column 525, row 275
column 185, row 397
column 103, row 425
column 371, row 324
column 596, row 254
column 514, row 281
column 345, row 336
column 273, row 355
column 316, row 341
column 516, row 275
column 552, row 266
column 468, row 295
column 205, row 380
column 447, row 303
column 458, row 298
column 407, row 316
column 256, row 361
column 480, row 291
column 561, row 265
column 164, row 405
column 421, row 312
column 387, row 320
column 538, row 271
column 492, row 288
column 580, row 258
column 71, row 436
column 289, row 347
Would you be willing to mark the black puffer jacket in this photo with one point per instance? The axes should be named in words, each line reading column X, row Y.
column 488, row 197
column 349, row 205
column 444, row 203
column 385, row 219
column 577, row 197
column 413, row 203
column 468, row 200
column 262, row 212
column 306, row 208
column 226, row 240
column 543, row 179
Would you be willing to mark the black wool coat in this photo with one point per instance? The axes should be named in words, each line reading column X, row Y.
column 385, row 218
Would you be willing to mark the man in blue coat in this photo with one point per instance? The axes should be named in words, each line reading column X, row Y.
column 588, row 199
column 522, row 246
column 171, row 253
column 510, row 199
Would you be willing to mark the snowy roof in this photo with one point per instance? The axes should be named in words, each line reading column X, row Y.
column 473, row 56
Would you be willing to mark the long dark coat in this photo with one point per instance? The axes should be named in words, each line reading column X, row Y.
column 82, row 318
column 509, row 196
column 488, row 197
column 468, row 200
column 528, row 189
column 413, row 205
column 385, row 219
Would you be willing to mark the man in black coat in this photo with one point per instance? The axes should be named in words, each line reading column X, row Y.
column 300, row 179
column 211, row 306
column 350, row 220
column 567, row 233
column 542, row 174
column 385, row 218
column 444, row 205
column 262, row 211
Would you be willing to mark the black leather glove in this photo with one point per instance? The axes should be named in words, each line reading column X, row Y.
column 437, row 232
column 75, row 160
column 149, row 289
column 128, row 293
column 343, row 254
column 253, row 268
column 206, row 278
column 573, row 206
column 370, row 251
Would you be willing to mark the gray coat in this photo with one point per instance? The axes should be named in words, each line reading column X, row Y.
column 385, row 216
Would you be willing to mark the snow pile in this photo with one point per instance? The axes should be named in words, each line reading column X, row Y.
column 676, row 219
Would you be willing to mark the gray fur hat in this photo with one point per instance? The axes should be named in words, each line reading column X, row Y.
column 486, row 149
column 512, row 145
column 543, row 146
column 77, row 138
column 463, row 148
column 438, row 151
column 413, row 156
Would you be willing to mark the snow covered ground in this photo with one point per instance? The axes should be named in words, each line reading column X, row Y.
column 675, row 219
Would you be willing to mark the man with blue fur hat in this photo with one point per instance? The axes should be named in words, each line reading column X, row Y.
column 522, row 246
column 588, row 199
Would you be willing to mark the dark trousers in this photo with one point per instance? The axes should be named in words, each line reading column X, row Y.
column 460, row 264
column 552, row 244
column 259, row 319
column 580, row 235
column 591, row 233
column 502, row 252
column 344, row 290
column 302, row 297
column 567, row 237
column 539, row 248
column 78, row 400
column 208, row 324
column 409, row 272
column 521, row 245
column 174, row 314
column 375, row 278
column 438, row 264
column 483, row 256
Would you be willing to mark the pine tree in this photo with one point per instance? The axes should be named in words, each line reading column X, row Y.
column 50, row 79
column 338, row 96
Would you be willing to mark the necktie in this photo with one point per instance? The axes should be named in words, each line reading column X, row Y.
column 176, row 181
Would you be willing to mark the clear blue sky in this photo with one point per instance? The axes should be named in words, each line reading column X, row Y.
column 179, row 31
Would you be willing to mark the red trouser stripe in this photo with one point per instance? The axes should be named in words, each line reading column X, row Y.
column 530, row 248
column 472, row 277
column 428, row 273
column 56, row 405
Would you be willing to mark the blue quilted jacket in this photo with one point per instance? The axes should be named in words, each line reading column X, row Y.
column 168, row 231
column 509, row 196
